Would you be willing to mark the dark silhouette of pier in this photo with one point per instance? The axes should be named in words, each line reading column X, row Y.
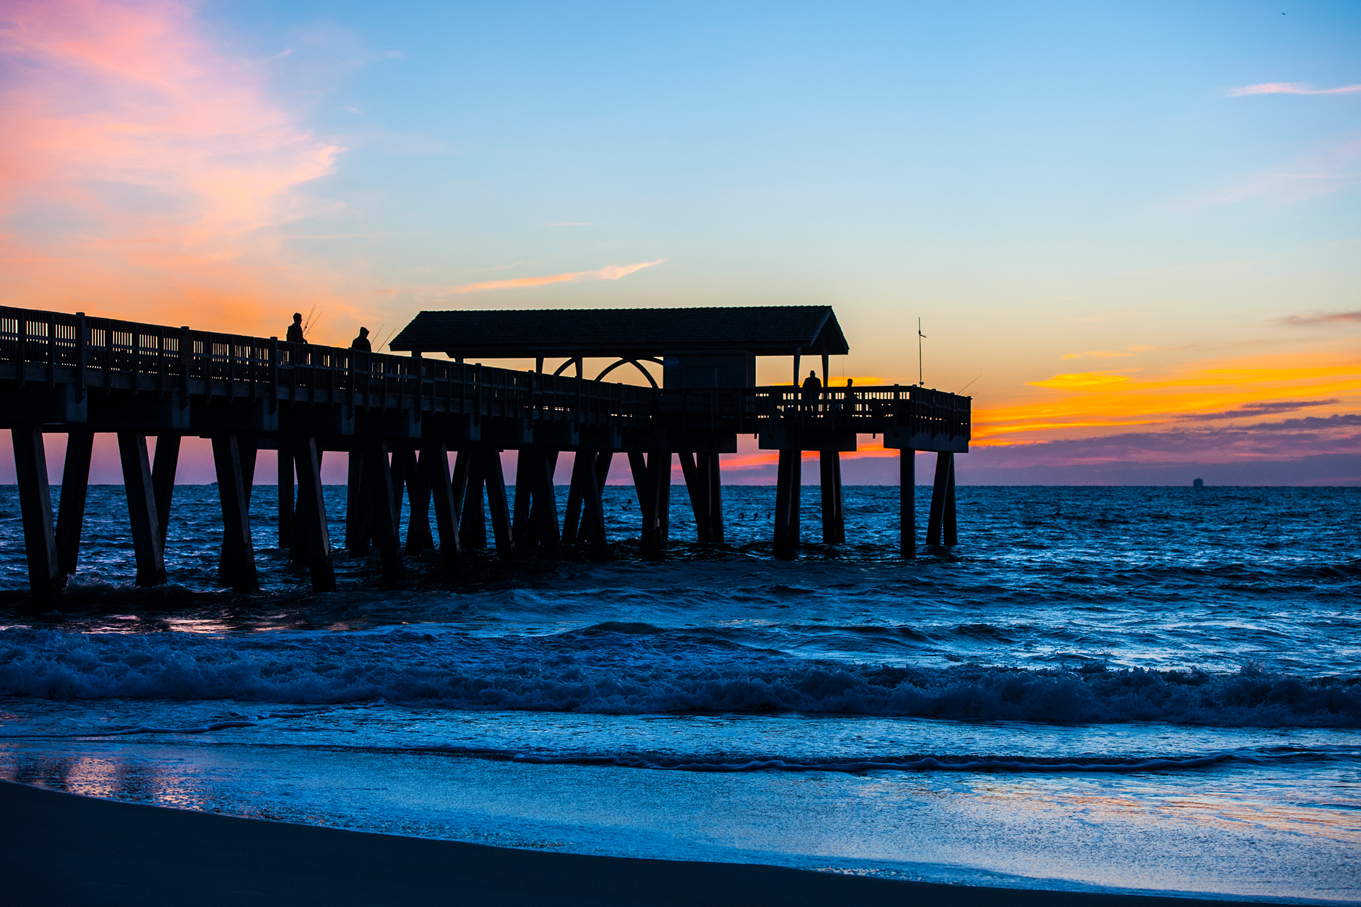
column 400, row 417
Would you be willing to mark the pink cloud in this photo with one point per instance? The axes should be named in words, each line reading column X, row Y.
column 158, row 165
column 610, row 272
column 1310, row 319
column 1290, row 88
column 1328, row 170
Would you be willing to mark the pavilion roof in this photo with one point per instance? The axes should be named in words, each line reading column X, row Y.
column 624, row 333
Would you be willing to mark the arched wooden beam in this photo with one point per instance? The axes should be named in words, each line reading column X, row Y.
column 565, row 364
column 636, row 363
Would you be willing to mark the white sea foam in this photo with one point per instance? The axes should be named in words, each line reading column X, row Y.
column 633, row 672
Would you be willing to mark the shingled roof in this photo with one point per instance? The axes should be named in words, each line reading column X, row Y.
column 625, row 333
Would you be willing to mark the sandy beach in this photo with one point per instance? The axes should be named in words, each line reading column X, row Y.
column 59, row 848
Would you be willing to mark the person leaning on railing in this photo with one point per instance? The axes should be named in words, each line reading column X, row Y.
column 811, row 390
column 295, row 335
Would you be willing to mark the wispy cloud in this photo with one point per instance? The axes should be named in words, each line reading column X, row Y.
column 1308, row 319
column 1096, row 354
column 610, row 272
column 1081, row 381
column 159, row 166
column 1305, row 451
column 1290, row 88
column 1327, row 170
column 1257, row 410
column 1310, row 435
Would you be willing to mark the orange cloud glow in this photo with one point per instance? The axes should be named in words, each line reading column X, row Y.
column 144, row 173
column 1080, row 404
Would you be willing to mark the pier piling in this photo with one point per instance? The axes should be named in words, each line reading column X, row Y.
column 694, row 466
column 381, row 487
column 163, row 479
column 357, row 510
column 593, row 467
column 35, row 505
column 445, row 496
column 236, row 566
column 418, row 535
column 285, row 501
column 942, row 502
column 75, row 487
column 544, row 507
column 833, row 515
column 948, row 527
column 907, row 503
column 146, row 533
column 525, row 483
column 246, row 451
column 652, row 482
column 314, row 537
column 473, row 525
column 788, row 479
column 494, row 478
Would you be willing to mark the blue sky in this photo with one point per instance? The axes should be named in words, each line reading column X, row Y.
column 1111, row 218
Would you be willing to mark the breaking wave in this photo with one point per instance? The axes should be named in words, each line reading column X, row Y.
column 620, row 670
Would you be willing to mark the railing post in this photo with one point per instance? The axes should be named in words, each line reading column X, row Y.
column 186, row 359
column 21, row 347
column 80, row 356
column 52, row 351
column 274, row 375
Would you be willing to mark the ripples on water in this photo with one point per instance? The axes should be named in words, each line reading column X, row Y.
column 1106, row 632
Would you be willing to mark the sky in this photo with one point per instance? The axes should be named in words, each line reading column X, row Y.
column 1132, row 232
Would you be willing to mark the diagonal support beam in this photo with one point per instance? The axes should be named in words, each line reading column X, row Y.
column 146, row 532
column 445, row 497
column 237, row 564
column 163, row 479
column 314, row 535
column 75, row 487
column 380, row 486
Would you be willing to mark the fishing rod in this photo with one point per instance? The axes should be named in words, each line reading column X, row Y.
column 307, row 325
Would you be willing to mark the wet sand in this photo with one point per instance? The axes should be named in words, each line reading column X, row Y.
column 58, row 848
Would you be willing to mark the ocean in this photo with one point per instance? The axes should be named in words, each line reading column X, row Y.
column 1139, row 689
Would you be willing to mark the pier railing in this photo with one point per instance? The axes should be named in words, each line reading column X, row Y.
column 91, row 352
column 861, row 410
column 106, row 353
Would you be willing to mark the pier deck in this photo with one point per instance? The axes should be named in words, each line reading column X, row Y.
column 399, row 418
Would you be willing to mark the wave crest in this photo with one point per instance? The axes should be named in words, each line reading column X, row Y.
column 623, row 671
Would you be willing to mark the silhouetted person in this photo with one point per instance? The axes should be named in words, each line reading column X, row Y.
column 295, row 330
column 848, row 397
column 811, row 388
column 361, row 343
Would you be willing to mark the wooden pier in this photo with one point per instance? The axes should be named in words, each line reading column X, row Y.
column 400, row 418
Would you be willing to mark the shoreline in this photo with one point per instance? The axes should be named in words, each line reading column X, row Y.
column 61, row 848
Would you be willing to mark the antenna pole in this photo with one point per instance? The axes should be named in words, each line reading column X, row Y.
column 921, row 381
